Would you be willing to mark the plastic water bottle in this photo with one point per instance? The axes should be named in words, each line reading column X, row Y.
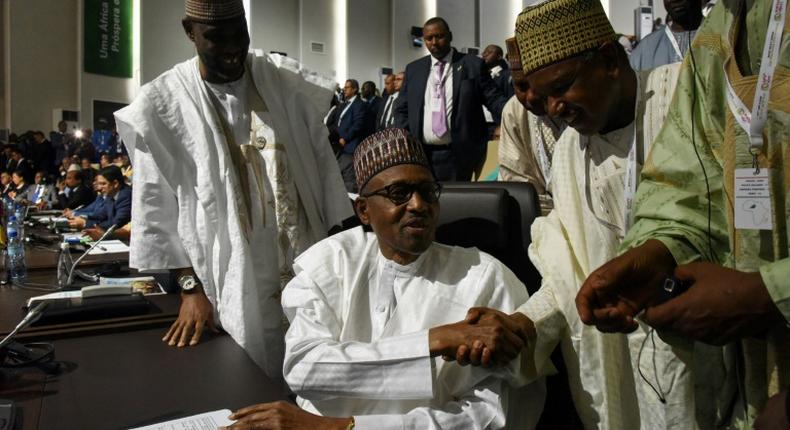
column 16, row 251
column 20, row 212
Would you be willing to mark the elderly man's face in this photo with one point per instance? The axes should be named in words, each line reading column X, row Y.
column 577, row 91
column 222, row 48
column 5, row 178
column 404, row 229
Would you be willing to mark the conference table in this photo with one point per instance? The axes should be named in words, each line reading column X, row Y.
column 115, row 372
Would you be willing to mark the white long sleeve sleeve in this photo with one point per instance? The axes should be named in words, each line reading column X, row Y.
column 480, row 408
column 319, row 366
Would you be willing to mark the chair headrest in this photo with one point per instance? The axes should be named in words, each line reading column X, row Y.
column 473, row 217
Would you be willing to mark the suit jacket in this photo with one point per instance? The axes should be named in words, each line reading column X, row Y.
column 80, row 196
column 374, row 105
column 117, row 211
column 28, row 170
column 472, row 88
column 352, row 125
column 503, row 81
column 46, row 193
column 380, row 114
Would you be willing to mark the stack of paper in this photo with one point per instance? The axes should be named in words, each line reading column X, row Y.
column 110, row 247
column 207, row 421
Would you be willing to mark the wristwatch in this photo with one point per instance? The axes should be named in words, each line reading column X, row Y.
column 188, row 283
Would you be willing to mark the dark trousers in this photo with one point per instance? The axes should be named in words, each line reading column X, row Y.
column 346, row 163
column 447, row 167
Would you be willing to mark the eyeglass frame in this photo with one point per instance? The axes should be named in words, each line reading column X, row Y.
column 386, row 191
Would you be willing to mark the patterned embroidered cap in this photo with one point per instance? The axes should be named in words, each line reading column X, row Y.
column 513, row 55
column 208, row 11
column 384, row 149
column 558, row 29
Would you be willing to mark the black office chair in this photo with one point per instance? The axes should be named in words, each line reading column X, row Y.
column 496, row 217
column 521, row 207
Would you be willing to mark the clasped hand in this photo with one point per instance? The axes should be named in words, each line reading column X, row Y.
column 721, row 304
column 486, row 337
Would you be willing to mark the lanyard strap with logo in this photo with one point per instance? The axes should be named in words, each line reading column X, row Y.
column 752, row 186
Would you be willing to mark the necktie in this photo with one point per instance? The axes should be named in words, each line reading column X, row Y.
column 386, row 116
column 438, row 113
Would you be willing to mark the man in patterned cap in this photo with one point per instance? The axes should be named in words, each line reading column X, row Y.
column 577, row 73
column 371, row 312
column 528, row 136
column 232, row 180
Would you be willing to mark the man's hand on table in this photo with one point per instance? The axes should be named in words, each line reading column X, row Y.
column 720, row 306
column 196, row 313
column 94, row 232
column 489, row 336
column 616, row 292
column 77, row 222
column 282, row 415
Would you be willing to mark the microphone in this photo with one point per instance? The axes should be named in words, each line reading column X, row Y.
column 70, row 278
column 32, row 316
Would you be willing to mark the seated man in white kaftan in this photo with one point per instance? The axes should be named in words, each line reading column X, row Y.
column 371, row 312
column 233, row 179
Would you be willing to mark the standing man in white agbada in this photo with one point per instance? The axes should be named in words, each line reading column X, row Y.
column 233, row 179
column 617, row 381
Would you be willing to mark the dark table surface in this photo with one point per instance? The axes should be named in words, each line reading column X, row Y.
column 131, row 379
column 118, row 373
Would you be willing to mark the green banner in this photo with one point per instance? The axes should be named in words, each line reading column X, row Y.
column 108, row 37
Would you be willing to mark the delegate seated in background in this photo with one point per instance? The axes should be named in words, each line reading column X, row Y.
column 20, row 186
column 73, row 193
column 371, row 312
column 40, row 194
column 117, row 209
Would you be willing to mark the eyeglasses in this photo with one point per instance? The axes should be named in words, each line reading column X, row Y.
column 401, row 193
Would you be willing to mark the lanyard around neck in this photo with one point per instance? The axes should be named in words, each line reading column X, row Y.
column 753, row 121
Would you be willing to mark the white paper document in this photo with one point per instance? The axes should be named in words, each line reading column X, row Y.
column 207, row 421
column 110, row 247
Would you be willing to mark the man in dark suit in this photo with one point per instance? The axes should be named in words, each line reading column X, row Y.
column 497, row 67
column 118, row 208
column 18, row 163
column 351, row 129
column 79, row 194
column 386, row 115
column 441, row 104
column 373, row 104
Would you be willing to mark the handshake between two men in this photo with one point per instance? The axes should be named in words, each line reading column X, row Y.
column 720, row 305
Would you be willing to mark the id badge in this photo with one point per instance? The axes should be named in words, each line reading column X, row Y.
column 753, row 200
column 436, row 104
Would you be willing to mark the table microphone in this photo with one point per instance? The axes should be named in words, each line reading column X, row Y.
column 32, row 316
column 70, row 278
